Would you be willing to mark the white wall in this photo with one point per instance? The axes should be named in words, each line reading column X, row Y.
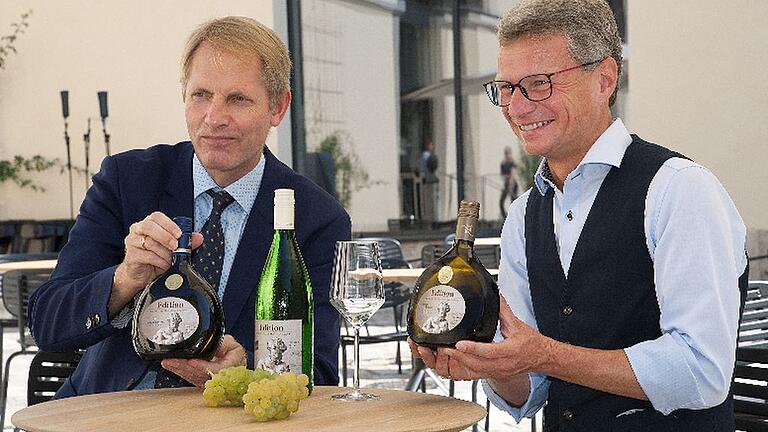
column 350, row 84
column 131, row 49
column 698, row 85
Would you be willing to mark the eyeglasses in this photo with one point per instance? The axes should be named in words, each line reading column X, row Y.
column 535, row 88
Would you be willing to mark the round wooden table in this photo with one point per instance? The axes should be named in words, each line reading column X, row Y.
column 183, row 409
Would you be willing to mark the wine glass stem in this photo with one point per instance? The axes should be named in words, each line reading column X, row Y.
column 356, row 377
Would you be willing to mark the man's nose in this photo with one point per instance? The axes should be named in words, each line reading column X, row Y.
column 519, row 104
column 217, row 114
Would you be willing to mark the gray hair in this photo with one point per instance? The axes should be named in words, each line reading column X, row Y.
column 588, row 25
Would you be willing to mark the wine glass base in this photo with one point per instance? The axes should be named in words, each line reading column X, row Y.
column 355, row 396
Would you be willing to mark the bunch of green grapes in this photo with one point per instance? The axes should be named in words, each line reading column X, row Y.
column 227, row 387
column 275, row 397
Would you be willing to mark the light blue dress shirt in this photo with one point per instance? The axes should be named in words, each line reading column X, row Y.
column 696, row 240
column 233, row 220
column 234, row 217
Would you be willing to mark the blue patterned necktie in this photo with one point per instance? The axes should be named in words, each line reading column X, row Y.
column 207, row 261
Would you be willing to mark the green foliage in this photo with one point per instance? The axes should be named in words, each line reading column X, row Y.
column 7, row 43
column 350, row 174
column 527, row 169
column 14, row 169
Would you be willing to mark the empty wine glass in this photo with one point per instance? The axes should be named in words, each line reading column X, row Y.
column 357, row 293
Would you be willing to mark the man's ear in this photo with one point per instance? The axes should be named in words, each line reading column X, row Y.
column 609, row 76
column 281, row 107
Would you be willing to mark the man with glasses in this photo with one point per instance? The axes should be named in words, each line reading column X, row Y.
column 621, row 268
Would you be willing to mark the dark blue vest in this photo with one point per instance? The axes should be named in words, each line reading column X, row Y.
column 608, row 300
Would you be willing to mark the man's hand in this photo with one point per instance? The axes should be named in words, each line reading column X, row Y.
column 197, row 371
column 514, row 355
column 149, row 249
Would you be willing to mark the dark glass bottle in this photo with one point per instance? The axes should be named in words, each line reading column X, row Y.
column 284, row 313
column 178, row 315
column 455, row 297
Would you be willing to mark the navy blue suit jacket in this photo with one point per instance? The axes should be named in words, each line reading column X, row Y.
column 70, row 311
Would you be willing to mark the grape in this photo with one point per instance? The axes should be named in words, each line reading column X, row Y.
column 275, row 397
column 227, row 387
column 264, row 395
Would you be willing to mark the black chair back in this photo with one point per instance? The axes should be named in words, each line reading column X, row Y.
column 17, row 285
column 753, row 328
column 47, row 373
column 750, row 389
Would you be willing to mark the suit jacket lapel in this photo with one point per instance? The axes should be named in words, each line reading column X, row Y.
column 254, row 246
column 178, row 199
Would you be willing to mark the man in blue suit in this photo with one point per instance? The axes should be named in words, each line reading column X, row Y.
column 235, row 86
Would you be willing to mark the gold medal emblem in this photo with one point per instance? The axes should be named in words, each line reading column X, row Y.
column 445, row 275
column 174, row 281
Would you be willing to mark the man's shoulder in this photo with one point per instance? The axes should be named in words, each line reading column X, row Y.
column 159, row 153
column 312, row 201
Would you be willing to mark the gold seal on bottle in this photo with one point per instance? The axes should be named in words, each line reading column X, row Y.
column 174, row 281
column 445, row 274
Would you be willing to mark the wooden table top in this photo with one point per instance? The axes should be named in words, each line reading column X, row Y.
column 410, row 275
column 183, row 409
column 26, row 265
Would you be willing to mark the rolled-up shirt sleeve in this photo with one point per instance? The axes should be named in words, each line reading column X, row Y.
column 696, row 239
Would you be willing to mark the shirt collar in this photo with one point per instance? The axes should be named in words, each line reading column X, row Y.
column 608, row 150
column 244, row 190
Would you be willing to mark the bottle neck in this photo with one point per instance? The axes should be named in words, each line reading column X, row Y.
column 184, row 251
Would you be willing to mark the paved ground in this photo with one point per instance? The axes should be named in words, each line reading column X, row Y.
column 378, row 370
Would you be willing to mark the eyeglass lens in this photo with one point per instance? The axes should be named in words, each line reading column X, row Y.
column 535, row 88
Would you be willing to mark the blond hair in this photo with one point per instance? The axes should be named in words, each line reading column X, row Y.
column 244, row 37
column 589, row 26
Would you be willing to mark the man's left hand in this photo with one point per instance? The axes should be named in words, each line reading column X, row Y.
column 197, row 371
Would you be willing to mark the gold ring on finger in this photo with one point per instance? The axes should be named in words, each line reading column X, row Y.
column 144, row 242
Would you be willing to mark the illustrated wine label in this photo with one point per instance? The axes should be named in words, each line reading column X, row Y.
column 440, row 309
column 168, row 321
column 277, row 347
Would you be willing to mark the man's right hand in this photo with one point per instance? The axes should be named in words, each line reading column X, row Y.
column 149, row 248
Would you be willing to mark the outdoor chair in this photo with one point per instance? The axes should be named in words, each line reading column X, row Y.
column 17, row 285
column 750, row 389
column 753, row 328
column 396, row 297
column 47, row 373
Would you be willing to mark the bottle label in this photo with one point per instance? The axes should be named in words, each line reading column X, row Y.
column 440, row 309
column 278, row 346
column 168, row 321
column 174, row 281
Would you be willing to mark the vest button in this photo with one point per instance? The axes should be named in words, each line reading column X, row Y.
column 568, row 415
column 567, row 310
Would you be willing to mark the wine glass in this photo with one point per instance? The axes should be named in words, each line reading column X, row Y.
column 357, row 293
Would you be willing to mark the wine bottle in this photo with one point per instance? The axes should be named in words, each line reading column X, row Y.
column 178, row 315
column 455, row 297
column 284, row 315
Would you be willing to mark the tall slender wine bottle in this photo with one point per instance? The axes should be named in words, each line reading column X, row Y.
column 178, row 315
column 455, row 297
column 284, row 314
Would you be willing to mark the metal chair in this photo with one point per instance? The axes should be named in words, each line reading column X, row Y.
column 17, row 285
column 753, row 327
column 397, row 296
column 750, row 389
column 47, row 373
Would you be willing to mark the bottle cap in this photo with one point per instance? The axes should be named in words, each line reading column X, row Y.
column 469, row 209
column 184, row 223
column 284, row 209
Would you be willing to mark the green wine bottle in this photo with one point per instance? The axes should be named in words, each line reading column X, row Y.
column 284, row 316
column 455, row 297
